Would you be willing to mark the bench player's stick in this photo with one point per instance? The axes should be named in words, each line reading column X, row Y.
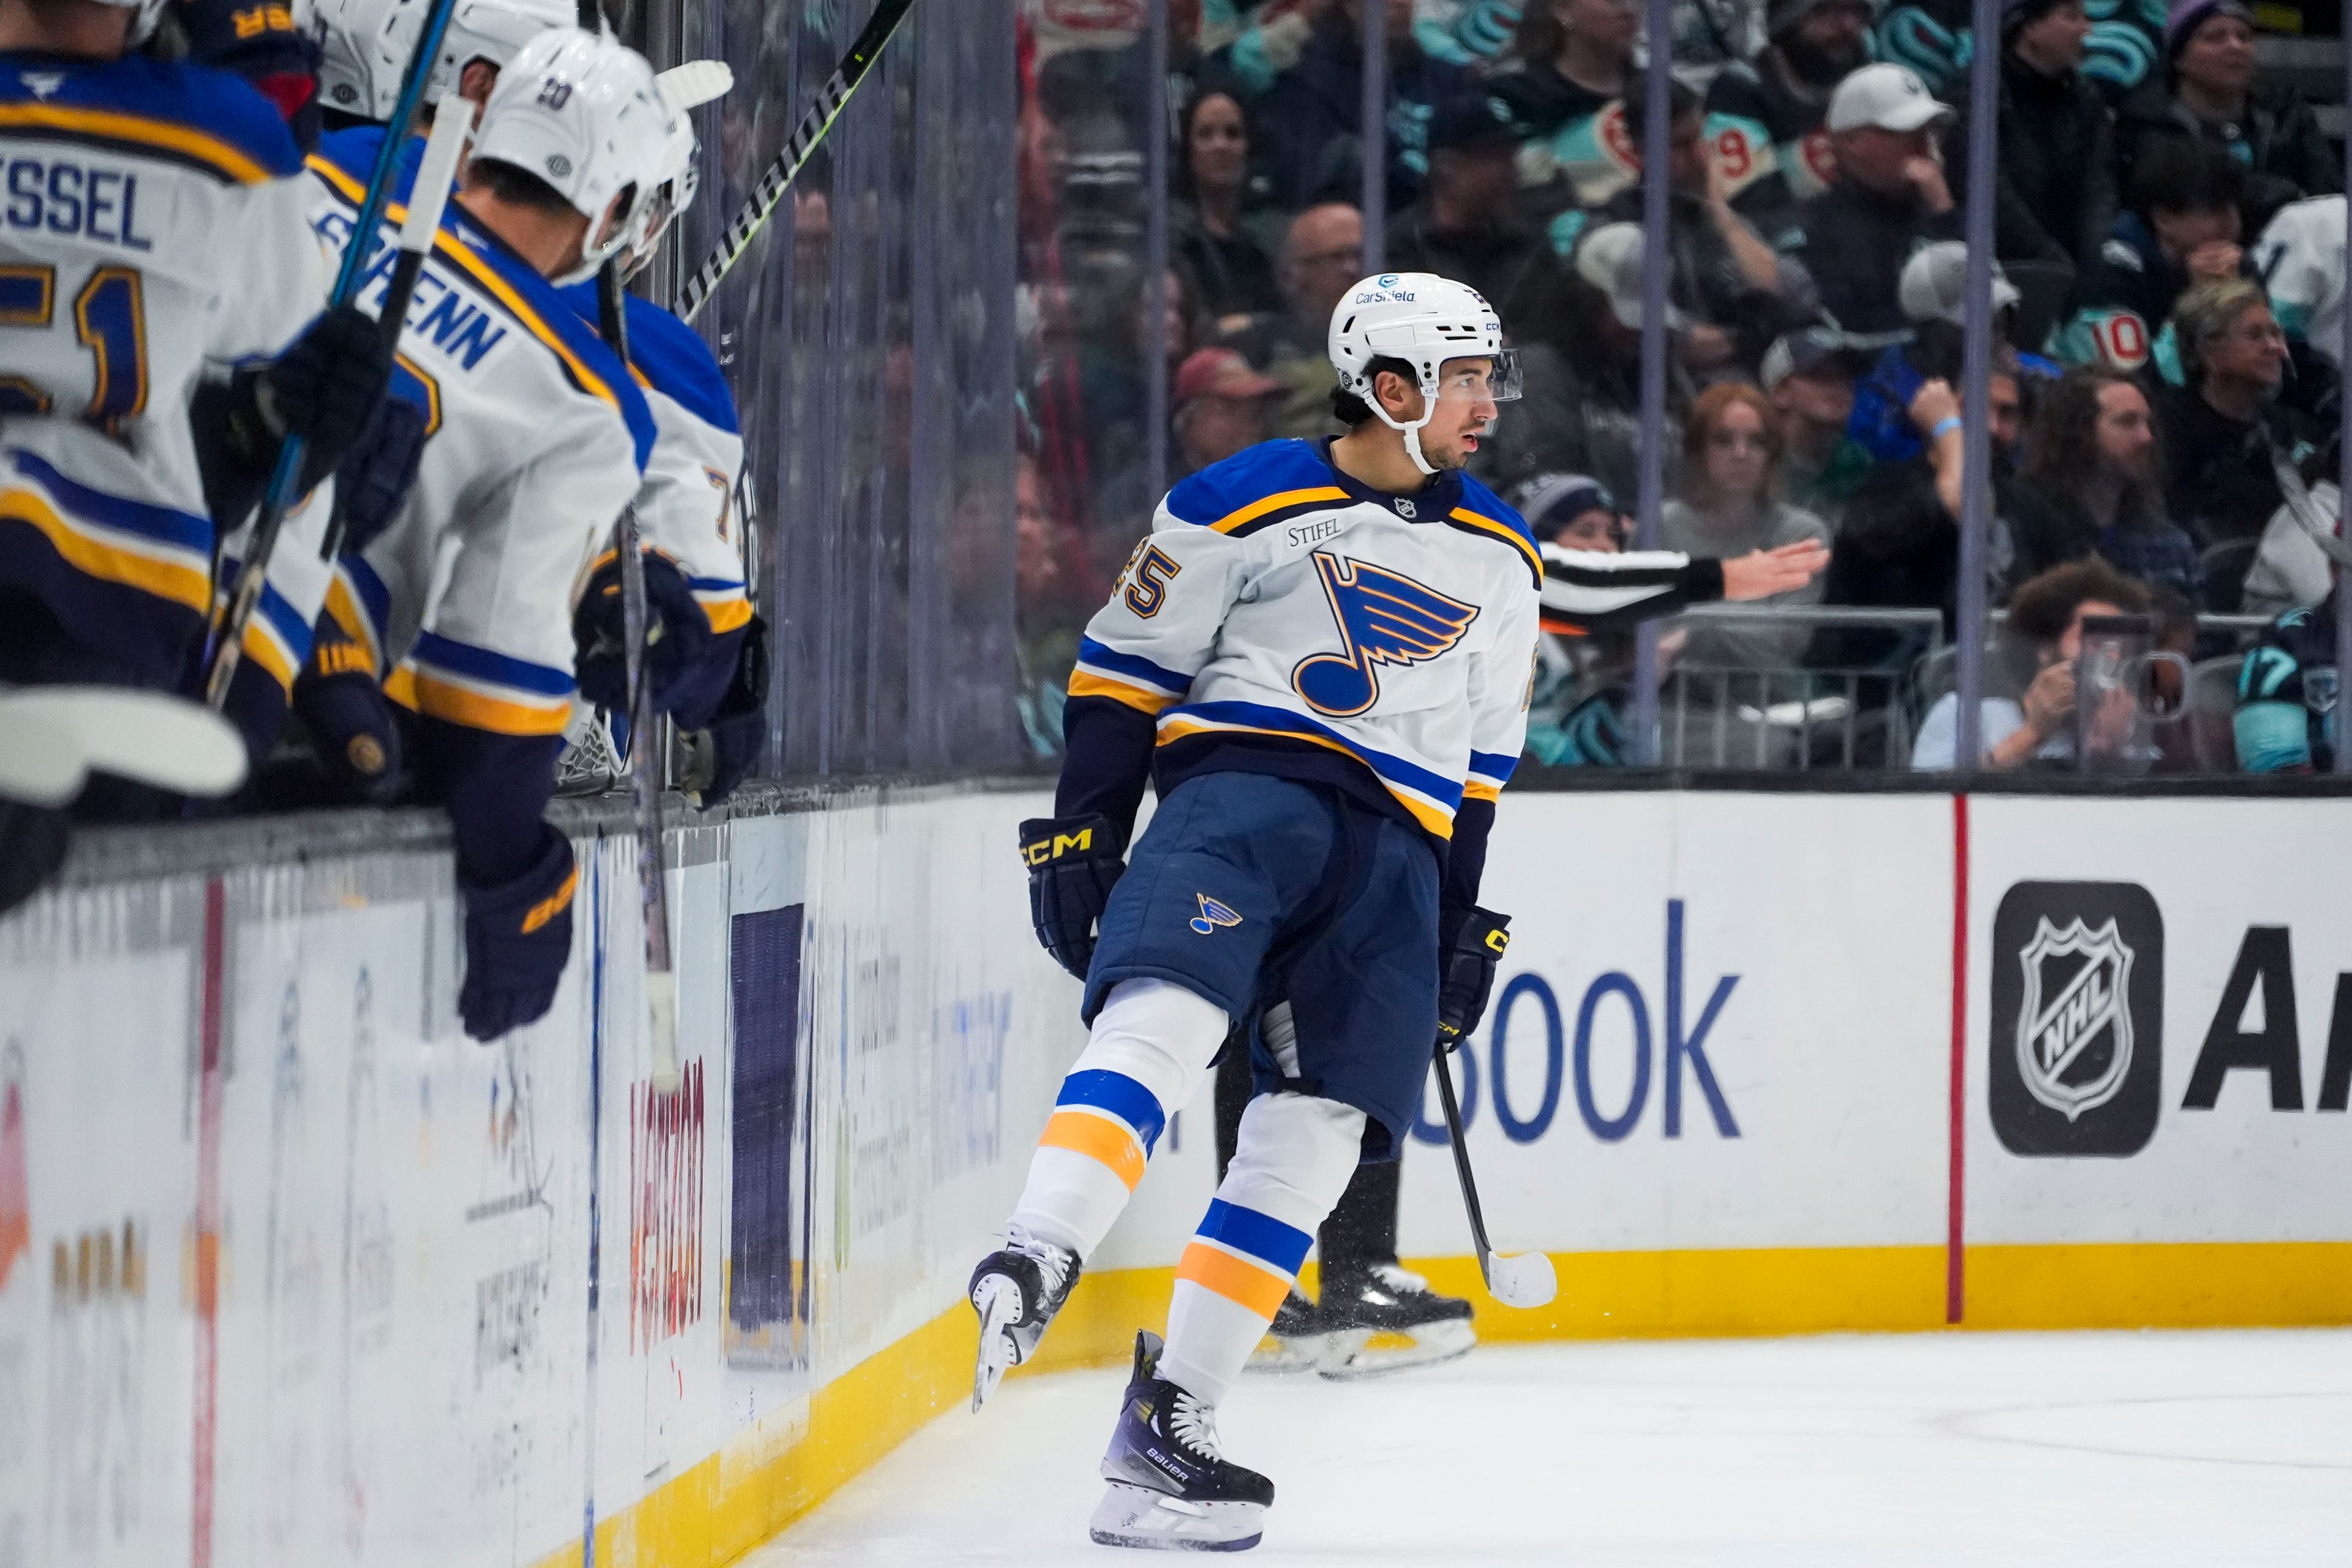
column 645, row 787
column 228, row 637
column 770, row 192
column 1524, row 1279
column 428, row 198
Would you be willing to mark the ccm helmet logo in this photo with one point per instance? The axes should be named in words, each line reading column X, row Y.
column 1054, row 848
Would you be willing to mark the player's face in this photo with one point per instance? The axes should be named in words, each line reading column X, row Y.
column 1470, row 393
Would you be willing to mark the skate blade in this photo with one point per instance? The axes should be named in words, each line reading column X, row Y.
column 1431, row 1346
column 1154, row 1521
column 998, row 1302
column 1290, row 1355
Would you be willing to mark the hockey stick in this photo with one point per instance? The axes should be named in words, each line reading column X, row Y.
column 53, row 737
column 644, row 788
column 770, row 192
column 286, row 477
column 1522, row 1279
column 428, row 198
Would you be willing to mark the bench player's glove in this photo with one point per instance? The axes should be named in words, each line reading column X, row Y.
column 327, row 386
column 1470, row 944
column 739, row 730
column 373, row 479
column 518, row 939
column 677, row 635
column 1074, row 863
column 354, row 731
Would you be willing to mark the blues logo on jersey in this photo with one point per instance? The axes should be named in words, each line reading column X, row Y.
column 1385, row 617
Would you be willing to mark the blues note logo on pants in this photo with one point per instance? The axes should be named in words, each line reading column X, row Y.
column 1212, row 916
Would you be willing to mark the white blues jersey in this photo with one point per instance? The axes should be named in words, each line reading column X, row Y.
column 686, row 505
column 153, row 227
column 536, row 440
column 1283, row 618
column 2301, row 258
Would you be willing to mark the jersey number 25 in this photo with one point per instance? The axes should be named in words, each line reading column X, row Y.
column 110, row 320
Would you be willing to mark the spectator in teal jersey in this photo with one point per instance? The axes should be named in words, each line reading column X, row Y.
column 1576, row 58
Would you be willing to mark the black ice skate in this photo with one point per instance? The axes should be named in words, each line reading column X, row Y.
column 1170, row 1489
column 1296, row 1341
column 1016, row 1293
column 1388, row 1320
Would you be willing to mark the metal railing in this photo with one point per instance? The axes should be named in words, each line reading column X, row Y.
column 1792, row 687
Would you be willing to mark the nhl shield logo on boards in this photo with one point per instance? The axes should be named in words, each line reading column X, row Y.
column 2076, row 1023
column 2074, row 1031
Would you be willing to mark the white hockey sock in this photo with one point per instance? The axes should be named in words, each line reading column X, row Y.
column 1293, row 1160
column 1151, row 1044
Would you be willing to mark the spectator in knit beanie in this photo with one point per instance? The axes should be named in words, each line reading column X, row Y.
column 1765, row 119
column 2054, row 193
column 2211, row 90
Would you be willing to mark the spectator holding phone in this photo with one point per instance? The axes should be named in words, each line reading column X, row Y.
column 2031, row 719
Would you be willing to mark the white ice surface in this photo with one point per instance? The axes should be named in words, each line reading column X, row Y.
column 2140, row 1450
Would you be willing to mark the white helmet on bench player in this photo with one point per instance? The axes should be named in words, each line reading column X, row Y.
column 1423, row 321
column 367, row 45
column 584, row 114
column 683, row 88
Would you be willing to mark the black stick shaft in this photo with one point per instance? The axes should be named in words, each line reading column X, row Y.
column 770, row 192
column 1461, row 1167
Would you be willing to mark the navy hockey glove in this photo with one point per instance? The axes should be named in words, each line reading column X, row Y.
column 375, row 476
column 1074, row 863
column 739, row 731
column 518, row 939
column 354, row 731
column 677, row 634
column 1470, row 944
column 327, row 386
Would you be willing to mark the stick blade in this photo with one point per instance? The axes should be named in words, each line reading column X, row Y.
column 1524, row 1280
column 143, row 736
column 695, row 83
column 41, row 763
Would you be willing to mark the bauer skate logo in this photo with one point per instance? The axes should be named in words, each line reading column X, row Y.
column 2074, row 1032
column 2077, row 1021
column 1385, row 617
column 1212, row 916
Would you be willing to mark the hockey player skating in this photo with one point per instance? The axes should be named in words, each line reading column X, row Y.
column 1372, row 1316
column 1321, row 656
column 464, row 605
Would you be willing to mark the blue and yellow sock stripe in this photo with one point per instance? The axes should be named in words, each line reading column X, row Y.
column 1250, row 1259
column 1110, row 1119
column 1489, row 771
column 726, row 603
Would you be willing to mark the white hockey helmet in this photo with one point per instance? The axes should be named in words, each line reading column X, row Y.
column 584, row 114
column 684, row 88
column 367, row 44
column 1424, row 322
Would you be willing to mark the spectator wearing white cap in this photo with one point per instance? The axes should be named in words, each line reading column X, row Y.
column 1596, row 427
column 2211, row 90
column 1888, row 198
column 1765, row 119
column 2055, row 187
column 1933, row 291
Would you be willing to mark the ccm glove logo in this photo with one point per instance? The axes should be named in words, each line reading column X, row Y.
column 1051, row 846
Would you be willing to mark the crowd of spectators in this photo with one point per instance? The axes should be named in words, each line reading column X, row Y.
column 2168, row 238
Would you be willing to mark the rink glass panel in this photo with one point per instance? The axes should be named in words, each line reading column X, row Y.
column 869, row 338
